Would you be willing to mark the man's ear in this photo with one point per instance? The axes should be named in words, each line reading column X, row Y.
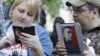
column 95, row 11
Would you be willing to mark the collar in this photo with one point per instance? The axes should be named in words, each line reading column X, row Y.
column 92, row 30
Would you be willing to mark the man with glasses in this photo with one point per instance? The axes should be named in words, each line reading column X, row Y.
column 87, row 13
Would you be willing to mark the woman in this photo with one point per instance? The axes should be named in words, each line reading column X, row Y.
column 25, row 13
column 54, row 36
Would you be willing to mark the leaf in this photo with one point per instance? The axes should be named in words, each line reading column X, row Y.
column 53, row 7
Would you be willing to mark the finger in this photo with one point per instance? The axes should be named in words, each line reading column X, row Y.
column 84, row 53
column 60, row 46
column 87, row 53
column 9, row 41
column 62, row 53
column 29, row 37
column 61, row 50
column 23, row 42
column 60, row 43
column 65, row 55
column 26, row 35
column 23, row 39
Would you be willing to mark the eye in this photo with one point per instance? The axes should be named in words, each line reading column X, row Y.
column 69, row 31
column 77, row 9
column 30, row 14
column 21, row 10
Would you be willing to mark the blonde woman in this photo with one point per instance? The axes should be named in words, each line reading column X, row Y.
column 25, row 13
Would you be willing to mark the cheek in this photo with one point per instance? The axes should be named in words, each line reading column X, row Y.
column 30, row 20
column 65, row 34
column 82, row 16
column 15, row 14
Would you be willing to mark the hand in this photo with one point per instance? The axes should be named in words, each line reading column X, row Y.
column 7, row 41
column 87, row 51
column 32, row 42
column 29, row 40
column 10, row 39
column 60, row 49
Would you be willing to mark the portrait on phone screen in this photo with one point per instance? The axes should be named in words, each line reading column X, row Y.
column 67, row 33
column 70, row 39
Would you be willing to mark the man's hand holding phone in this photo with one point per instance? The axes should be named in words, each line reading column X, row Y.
column 60, row 49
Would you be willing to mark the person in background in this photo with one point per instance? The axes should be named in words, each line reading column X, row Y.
column 54, row 36
column 42, row 18
column 25, row 13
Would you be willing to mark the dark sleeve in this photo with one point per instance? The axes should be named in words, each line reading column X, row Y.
column 54, row 39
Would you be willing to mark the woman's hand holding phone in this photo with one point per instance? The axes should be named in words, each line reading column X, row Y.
column 29, row 40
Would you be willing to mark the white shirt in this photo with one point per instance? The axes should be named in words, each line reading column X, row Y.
column 15, row 49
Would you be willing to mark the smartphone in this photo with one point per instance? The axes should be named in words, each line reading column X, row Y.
column 70, row 40
column 29, row 30
column 71, row 35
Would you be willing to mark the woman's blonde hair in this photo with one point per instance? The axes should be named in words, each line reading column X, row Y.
column 32, row 5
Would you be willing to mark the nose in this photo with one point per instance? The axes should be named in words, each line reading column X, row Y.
column 75, row 15
column 24, row 16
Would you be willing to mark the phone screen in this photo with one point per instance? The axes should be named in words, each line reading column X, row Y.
column 70, row 40
column 29, row 30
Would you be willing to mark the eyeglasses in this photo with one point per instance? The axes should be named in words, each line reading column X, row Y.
column 79, row 9
column 88, row 5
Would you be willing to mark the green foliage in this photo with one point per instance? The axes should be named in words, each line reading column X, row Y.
column 8, row 2
column 53, row 7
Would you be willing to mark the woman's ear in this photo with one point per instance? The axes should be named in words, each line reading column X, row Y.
column 11, row 14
